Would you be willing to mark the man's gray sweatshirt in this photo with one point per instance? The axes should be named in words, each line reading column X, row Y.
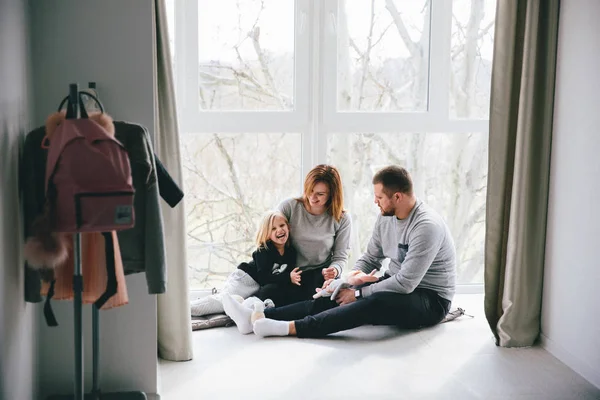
column 421, row 253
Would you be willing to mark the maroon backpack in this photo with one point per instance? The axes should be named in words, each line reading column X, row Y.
column 88, row 176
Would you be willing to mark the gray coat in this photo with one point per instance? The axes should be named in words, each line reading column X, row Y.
column 142, row 247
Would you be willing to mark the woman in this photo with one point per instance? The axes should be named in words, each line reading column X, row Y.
column 320, row 233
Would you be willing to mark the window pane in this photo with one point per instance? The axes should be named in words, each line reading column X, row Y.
column 449, row 172
column 230, row 181
column 383, row 55
column 246, row 54
column 471, row 57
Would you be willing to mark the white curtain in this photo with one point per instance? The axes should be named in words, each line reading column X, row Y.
column 174, row 318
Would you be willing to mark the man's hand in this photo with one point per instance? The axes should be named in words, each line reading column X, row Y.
column 331, row 288
column 345, row 296
column 329, row 273
column 295, row 276
column 357, row 278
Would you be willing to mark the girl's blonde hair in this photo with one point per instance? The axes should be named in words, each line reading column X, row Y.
column 264, row 229
column 330, row 176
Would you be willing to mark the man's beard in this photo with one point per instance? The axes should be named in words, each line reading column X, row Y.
column 389, row 212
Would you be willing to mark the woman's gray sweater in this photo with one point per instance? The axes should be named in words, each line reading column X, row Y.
column 320, row 240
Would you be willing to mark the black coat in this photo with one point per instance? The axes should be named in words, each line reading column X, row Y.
column 268, row 266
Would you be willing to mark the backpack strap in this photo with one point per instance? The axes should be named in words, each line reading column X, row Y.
column 111, row 274
column 48, row 313
column 111, row 282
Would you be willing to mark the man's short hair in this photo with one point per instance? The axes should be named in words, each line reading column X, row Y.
column 394, row 179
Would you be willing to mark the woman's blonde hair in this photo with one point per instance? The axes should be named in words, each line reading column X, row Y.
column 330, row 176
column 264, row 228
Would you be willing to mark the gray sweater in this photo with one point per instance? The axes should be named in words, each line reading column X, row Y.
column 421, row 253
column 320, row 240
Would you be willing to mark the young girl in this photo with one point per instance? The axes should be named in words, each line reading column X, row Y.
column 274, row 261
column 272, row 267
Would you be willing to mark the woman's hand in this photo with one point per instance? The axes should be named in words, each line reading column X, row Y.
column 357, row 278
column 329, row 273
column 324, row 287
column 331, row 288
column 295, row 276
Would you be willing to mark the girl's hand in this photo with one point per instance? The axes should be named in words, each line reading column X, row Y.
column 357, row 278
column 329, row 273
column 295, row 276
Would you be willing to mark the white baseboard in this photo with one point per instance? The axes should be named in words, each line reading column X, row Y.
column 571, row 361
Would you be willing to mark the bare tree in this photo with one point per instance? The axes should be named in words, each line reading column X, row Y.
column 232, row 179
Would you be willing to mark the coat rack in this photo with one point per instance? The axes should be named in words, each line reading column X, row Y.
column 96, row 394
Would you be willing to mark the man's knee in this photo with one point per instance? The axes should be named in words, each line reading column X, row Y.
column 323, row 304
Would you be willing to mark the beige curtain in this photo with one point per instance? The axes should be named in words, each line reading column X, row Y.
column 519, row 167
column 174, row 318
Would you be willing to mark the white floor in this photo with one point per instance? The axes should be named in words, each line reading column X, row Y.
column 455, row 360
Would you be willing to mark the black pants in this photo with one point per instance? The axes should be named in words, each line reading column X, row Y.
column 288, row 293
column 320, row 317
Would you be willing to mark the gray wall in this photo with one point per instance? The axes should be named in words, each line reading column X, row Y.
column 570, row 323
column 17, row 319
column 110, row 42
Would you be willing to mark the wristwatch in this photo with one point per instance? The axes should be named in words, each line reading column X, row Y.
column 357, row 294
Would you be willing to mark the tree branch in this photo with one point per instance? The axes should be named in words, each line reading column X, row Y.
column 234, row 178
column 255, row 35
column 201, row 176
column 384, row 146
column 459, row 49
column 412, row 47
column 366, row 57
column 384, row 88
column 255, row 86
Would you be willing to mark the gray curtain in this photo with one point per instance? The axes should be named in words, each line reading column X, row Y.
column 522, row 98
column 174, row 318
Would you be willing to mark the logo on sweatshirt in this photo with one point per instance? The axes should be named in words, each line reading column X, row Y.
column 278, row 269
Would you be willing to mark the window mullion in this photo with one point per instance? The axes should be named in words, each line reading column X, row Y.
column 439, row 60
column 308, row 134
column 328, row 51
column 311, row 149
column 323, row 41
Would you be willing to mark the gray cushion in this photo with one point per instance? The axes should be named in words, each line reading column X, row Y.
column 211, row 321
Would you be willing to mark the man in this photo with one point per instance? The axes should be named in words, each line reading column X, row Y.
column 416, row 291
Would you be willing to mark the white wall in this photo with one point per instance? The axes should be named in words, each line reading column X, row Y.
column 110, row 42
column 570, row 320
column 17, row 319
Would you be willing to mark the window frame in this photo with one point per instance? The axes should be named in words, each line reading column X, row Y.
column 315, row 115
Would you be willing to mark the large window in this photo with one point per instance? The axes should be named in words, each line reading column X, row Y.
column 266, row 89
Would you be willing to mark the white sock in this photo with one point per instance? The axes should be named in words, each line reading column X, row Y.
column 238, row 313
column 269, row 327
column 251, row 301
column 258, row 313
